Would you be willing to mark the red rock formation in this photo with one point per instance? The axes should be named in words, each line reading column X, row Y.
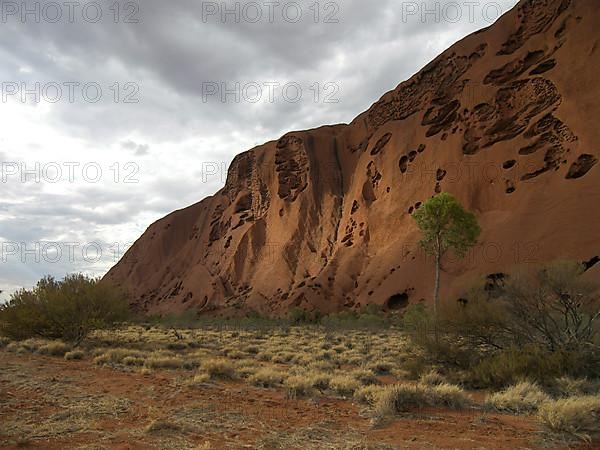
column 506, row 120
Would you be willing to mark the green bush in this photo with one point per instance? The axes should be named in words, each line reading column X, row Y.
column 68, row 309
column 530, row 362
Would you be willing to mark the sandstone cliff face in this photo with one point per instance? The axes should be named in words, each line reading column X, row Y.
column 507, row 120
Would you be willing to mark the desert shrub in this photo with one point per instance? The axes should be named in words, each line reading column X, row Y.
column 116, row 356
column 575, row 416
column 368, row 394
column 571, row 387
column 219, row 368
column 432, row 378
column 284, row 357
column 369, row 318
column 162, row 426
column 199, row 379
column 320, row 380
column 535, row 325
column 265, row 356
column 136, row 361
column 447, row 395
column 364, row 376
column 553, row 307
column 54, row 349
column 522, row 398
column 267, row 378
column 403, row 397
column 74, row 355
column 298, row 315
column 514, row 364
column 298, row 386
column 177, row 346
column 550, row 310
column 252, row 349
column 246, row 370
column 33, row 345
column 164, row 362
column 344, row 385
column 68, row 309
column 236, row 354
column 381, row 367
column 399, row 398
column 4, row 342
column 417, row 321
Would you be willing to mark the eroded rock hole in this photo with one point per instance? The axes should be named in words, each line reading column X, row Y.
column 582, row 166
column 403, row 164
column 397, row 302
column 509, row 164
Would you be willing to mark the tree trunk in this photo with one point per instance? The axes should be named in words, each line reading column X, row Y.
column 436, row 286
column 436, row 292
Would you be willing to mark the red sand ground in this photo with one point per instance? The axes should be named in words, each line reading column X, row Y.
column 243, row 415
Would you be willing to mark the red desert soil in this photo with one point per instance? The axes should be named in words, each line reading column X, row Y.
column 231, row 415
column 506, row 120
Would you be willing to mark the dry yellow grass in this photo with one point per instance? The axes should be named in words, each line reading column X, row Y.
column 344, row 385
column 74, row 355
column 575, row 416
column 164, row 362
column 403, row 397
column 267, row 378
column 298, row 386
column 522, row 398
column 219, row 368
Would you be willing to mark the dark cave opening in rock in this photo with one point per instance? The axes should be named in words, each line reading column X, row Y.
column 397, row 302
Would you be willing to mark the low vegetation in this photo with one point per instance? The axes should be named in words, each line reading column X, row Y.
column 389, row 367
column 577, row 417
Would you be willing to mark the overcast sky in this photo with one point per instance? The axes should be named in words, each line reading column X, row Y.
column 115, row 114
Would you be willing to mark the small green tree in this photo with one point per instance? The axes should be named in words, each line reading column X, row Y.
column 446, row 226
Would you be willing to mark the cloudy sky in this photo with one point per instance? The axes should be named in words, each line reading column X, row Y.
column 115, row 114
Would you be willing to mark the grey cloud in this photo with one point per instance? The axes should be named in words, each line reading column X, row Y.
column 137, row 149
